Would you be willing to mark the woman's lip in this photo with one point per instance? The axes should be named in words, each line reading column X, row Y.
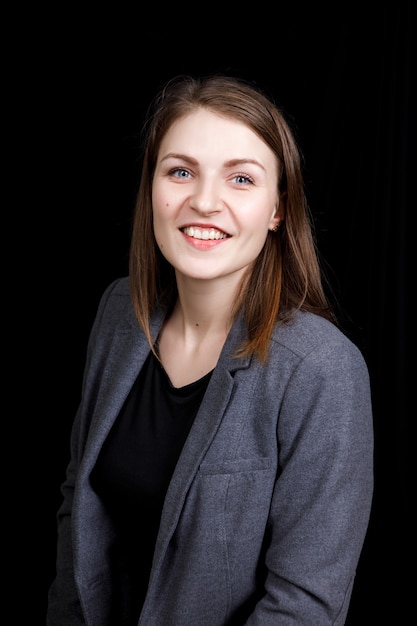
column 202, row 225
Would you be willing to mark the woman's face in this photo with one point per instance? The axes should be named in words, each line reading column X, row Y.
column 214, row 196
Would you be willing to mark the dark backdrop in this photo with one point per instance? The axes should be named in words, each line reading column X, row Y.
column 345, row 80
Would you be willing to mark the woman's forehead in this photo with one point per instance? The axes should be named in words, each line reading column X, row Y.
column 203, row 130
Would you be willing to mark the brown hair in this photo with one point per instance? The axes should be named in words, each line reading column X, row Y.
column 286, row 276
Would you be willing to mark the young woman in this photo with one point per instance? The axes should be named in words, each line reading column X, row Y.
column 221, row 467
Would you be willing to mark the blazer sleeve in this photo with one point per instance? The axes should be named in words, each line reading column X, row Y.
column 322, row 496
column 64, row 608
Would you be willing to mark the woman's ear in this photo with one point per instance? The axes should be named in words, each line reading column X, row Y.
column 277, row 216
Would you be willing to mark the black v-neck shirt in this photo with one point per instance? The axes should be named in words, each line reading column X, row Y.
column 134, row 469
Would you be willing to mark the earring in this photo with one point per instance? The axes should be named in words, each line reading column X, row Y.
column 275, row 228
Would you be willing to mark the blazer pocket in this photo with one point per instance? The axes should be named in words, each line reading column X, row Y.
column 236, row 465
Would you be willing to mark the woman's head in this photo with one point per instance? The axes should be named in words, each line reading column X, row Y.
column 285, row 276
column 214, row 199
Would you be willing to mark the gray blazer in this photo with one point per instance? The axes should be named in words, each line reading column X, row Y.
column 267, row 510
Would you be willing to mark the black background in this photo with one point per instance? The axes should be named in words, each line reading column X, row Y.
column 81, row 88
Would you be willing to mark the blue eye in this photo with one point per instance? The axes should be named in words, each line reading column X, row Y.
column 180, row 173
column 241, row 179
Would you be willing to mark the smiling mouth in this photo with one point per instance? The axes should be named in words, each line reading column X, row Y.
column 204, row 233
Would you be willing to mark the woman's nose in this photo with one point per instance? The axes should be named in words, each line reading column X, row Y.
column 206, row 198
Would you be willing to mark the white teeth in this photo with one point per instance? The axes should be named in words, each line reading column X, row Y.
column 204, row 233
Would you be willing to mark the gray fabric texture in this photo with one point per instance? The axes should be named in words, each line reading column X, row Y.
column 266, row 513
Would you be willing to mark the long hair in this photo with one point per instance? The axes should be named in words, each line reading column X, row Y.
column 286, row 276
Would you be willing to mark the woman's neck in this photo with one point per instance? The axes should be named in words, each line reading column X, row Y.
column 193, row 336
column 205, row 306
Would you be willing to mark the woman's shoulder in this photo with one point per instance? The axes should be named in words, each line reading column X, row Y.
column 118, row 287
column 115, row 307
column 308, row 332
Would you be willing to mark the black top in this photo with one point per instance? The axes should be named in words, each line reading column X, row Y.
column 134, row 469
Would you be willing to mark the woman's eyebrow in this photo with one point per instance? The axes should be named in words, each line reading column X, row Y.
column 182, row 157
column 234, row 162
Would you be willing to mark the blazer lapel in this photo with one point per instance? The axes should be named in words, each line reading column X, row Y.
column 200, row 437
column 120, row 371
